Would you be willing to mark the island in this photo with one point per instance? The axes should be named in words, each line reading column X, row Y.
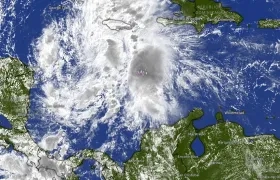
column 219, row 117
column 117, row 25
column 269, row 23
column 166, row 154
column 200, row 12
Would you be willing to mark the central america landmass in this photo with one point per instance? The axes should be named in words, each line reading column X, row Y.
column 165, row 153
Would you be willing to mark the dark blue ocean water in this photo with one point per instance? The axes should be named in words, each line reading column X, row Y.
column 258, row 103
column 4, row 122
column 87, row 169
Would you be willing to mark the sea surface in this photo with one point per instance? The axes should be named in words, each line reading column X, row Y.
column 252, row 52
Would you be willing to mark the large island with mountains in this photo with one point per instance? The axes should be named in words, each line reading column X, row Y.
column 199, row 13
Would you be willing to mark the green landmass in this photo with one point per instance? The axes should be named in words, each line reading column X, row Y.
column 200, row 12
column 219, row 117
column 269, row 23
column 16, row 80
column 166, row 154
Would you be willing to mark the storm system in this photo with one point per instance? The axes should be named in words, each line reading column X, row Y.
column 106, row 71
column 113, row 58
column 85, row 65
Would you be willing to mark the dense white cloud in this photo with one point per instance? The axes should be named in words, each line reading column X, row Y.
column 113, row 55
column 104, row 73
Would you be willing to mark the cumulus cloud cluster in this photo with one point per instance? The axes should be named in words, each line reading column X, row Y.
column 87, row 65
column 113, row 57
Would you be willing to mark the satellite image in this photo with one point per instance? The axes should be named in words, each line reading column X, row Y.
column 139, row 90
